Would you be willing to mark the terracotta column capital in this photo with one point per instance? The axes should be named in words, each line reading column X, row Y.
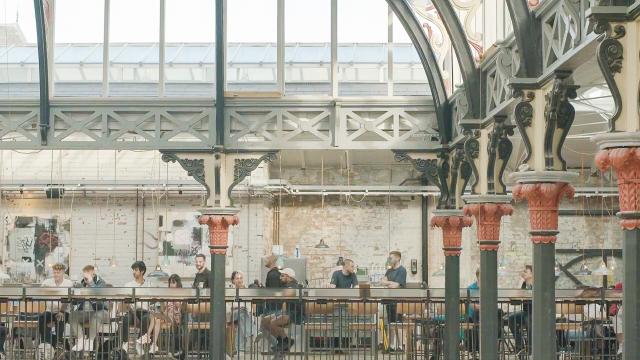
column 451, row 226
column 488, row 216
column 626, row 163
column 544, row 201
column 218, row 231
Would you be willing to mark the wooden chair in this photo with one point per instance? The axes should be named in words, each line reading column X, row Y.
column 569, row 319
column 363, row 317
column 319, row 322
column 412, row 314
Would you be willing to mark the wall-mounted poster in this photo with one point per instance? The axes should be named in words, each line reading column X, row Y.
column 34, row 244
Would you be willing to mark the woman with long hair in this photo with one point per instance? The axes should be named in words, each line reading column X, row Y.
column 171, row 312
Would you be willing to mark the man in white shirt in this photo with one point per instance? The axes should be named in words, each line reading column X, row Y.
column 138, row 312
column 56, row 312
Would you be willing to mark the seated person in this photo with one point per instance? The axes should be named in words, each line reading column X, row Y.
column 275, row 323
column 171, row 313
column 522, row 319
column 91, row 313
column 345, row 278
column 238, row 314
column 55, row 311
column 138, row 313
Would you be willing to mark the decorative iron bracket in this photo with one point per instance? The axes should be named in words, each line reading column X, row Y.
column 610, row 55
column 427, row 167
column 523, row 117
column 498, row 149
column 244, row 167
column 471, row 152
column 559, row 115
column 193, row 167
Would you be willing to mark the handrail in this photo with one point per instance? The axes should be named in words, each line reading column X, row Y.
column 435, row 295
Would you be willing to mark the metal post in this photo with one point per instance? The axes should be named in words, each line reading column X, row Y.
column 631, row 294
column 452, row 307
column 217, row 308
column 221, row 43
column 489, row 304
column 543, row 336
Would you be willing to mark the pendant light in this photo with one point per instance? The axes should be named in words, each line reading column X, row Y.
column 584, row 270
column 602, row 270
column 321, row 244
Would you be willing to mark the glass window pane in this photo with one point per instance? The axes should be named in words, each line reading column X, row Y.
column 308, row 47
column 190, row 48
column 19, row 75
column 133, row 48
column 79, row 45
column 409, row 77
column 251, row 45
column 362, row 47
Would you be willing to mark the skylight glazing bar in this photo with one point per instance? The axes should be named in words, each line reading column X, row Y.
column 389, row 52
column 162, row 43
column 280, row 47
column 105, row 49
column 334, row 48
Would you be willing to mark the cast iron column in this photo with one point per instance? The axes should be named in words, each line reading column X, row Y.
column 544, row 200
column 218, row 220
column 451, row 222
column 626, row 163
column 488, row 216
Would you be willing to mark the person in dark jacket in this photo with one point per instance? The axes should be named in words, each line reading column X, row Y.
column 276, row 322
column 91, row 313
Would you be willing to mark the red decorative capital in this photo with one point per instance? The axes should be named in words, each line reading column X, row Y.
column 218, row 231
column 488, row 217
column 626, row 163
column 451, row 232
column 544, row 200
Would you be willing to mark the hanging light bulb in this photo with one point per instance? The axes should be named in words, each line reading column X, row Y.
column 439, row 272
column 612, row 265
column 602, row 270
column 584, row 270
column 112, row 262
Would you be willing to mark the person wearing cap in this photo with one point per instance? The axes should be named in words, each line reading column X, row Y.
column 275, row 323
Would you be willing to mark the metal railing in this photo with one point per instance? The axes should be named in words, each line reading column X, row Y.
column 363, row 323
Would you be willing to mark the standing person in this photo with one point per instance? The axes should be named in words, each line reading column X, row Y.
column 201, row 280
column 91, row 312
column 520, row 319
column 345, row 278
column 394, row 278
column 170, row 313
column 273, row 276
column 138, row 312
column 55, row 311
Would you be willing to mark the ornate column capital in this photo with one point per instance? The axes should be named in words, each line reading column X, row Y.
column 626, row 163
column 451, row 225
column 218, row 221
column 488, row 216
column 544, row 201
